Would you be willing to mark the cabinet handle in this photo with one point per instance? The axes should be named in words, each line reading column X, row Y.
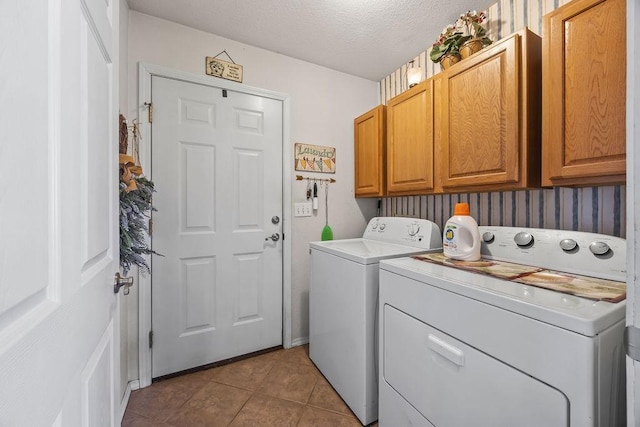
column 446, row 350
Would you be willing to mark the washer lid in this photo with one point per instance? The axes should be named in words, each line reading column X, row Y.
column 580, row 315
column 365, row 251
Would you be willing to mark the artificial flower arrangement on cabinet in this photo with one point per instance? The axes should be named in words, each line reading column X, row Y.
column 460, row 40
column 135, row 206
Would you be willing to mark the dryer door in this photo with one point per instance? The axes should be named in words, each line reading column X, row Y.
column 453, row 384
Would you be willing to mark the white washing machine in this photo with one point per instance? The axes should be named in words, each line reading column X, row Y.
column 460, row 345
column 343, row 304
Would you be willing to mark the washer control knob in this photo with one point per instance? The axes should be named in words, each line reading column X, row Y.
column 523, row 239
column 413, row 229
column 488, row 237
column 568, row 245
column 599, row 248
column 374, row 225
column 382, row 227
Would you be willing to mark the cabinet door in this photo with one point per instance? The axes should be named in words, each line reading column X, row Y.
column 370, row 146
column 584, row 93
column 479, row 136
column 410, row 141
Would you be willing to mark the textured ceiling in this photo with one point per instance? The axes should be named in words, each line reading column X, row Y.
column 366, row 38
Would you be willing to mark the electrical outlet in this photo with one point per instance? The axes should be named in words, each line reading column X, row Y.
column 302, row 209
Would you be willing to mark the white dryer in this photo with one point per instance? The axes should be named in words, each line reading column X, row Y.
column 343, row 299
column 461, row 346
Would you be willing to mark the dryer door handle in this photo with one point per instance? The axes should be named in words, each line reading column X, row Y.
column 446, row 350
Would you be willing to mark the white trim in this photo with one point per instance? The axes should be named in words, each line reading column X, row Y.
column 145, row 72
column 300, row 341
column 633, row 202
column 144, row 282
column 131, row 385
column 287, row 219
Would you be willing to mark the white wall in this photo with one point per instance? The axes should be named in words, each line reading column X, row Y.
column 323, row 105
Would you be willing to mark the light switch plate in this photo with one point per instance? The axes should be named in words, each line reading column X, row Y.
column 302, row 209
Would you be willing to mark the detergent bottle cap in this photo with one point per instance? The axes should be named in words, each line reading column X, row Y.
column 461, row 209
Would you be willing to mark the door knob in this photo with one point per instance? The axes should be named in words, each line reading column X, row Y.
column 120, row 281
column 275, row 219
column 275, row 237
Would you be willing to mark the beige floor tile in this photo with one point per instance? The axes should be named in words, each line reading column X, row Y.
column 315, row 417
column 162, row 399
column 248, row 373
column 267, row 390
column 133, row 420
column 214, row 405
column 321, row 378
column 325, row 397
column 276, row 354
column 266, row 411
column 289, row 381
column 298, row 354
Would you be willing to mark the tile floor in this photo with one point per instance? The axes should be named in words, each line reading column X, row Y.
column 281, row 388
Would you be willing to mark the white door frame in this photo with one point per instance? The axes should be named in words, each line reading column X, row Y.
column 633, row 205
column 145, row 72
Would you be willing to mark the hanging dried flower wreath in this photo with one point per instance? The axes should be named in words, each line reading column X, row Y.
column 136, row 206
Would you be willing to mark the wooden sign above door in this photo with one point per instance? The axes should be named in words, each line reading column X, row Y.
column 223, row 69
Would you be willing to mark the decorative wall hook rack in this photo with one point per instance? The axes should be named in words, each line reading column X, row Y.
column 329, row 180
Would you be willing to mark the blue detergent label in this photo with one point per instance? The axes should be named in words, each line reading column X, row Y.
column 448, row 242
column 449, row 234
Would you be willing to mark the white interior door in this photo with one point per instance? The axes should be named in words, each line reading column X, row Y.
column 58, row 213
column 217, row 169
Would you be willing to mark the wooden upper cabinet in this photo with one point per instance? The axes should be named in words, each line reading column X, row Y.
column 489, row 118
column 410, row 141
column 584, row 93
column 370, row 151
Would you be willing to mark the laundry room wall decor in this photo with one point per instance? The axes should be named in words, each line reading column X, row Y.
column 314, row 158
column 226, row 70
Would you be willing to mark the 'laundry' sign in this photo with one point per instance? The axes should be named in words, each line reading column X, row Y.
column 315, row 158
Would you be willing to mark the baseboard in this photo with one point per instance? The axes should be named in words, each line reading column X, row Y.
column 299, row 341
column 131, row 385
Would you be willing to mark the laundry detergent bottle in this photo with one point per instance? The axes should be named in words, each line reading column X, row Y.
column 461, row 238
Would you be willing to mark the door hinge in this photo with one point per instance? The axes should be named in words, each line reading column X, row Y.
column 632, row 342
column 150, row 228
column 149, row 105
column 150, row 339
column 224, row 93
